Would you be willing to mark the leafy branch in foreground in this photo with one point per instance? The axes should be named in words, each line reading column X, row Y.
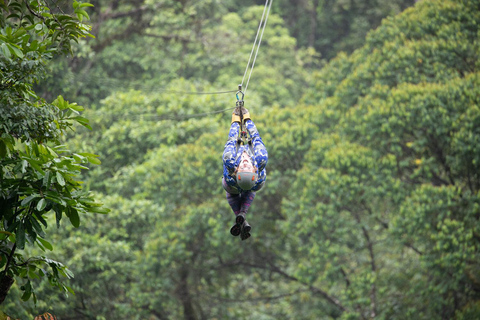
column 38, row 175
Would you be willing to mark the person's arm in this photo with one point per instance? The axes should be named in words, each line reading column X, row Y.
column 230, row 150
column 259, row 149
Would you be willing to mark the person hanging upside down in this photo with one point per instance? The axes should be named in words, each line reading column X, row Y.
column 244, row 170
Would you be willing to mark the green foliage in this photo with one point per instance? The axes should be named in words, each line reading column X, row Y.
column 334, row 26
column 392, row 183
column 32, row 33
column 38, row 174
column 371, row 204
column 197, row 41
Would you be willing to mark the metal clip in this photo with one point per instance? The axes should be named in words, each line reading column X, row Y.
column 241, row 92
column 239, row 102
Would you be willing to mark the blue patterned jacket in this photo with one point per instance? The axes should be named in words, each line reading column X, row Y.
column 231, row 156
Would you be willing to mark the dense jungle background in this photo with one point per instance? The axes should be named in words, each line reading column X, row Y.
column 370, row 111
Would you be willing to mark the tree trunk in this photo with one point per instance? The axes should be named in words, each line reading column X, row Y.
column 5, row 284
column 183, row 294
column 313, row 24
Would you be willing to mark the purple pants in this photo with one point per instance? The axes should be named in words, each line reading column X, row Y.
column 238, row 201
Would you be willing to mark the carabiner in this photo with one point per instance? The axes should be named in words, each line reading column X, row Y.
column 240, row 91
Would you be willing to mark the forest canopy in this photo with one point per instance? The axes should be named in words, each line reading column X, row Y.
column 370, row 114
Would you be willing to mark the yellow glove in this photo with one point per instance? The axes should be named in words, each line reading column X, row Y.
column 236, row 115
column 246, row 115
column 235, row 118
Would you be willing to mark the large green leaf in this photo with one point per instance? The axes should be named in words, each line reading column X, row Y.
column 72, row 214
column 41, row 204
column 60, row 178
column 20, row 236
column 29, row 199
column 45, row 243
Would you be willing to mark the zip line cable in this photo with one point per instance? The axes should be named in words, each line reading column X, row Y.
column 254, row 42
column 177, row 117
column 262, row 25
column 195, row 115
column 157, row 117
column 199, row 93
column 268, row 3
column 114, row 83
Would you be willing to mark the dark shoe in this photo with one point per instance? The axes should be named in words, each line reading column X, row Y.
column 240, row 218
column 237, row 227
column 245, row 236
column 245, row 230
column 236, row 230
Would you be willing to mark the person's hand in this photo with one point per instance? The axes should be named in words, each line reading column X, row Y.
column 236, row 114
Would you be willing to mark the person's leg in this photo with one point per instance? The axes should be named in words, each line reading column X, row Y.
column 234, row 197
column 247, row 199
column 245, row 228
column 234, row 200
column 240, row 203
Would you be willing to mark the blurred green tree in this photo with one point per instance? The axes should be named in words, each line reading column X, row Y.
column 37, row 173
column 386, row 205
column 371, row 203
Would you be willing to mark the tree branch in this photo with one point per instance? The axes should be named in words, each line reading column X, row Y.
column 280, row 296
column 9, row 259
column 324, row 294
column 130, row 13
column 168, row 37
column 277, row 270
column 441, row 157
column 413, row 248
column 373, row 289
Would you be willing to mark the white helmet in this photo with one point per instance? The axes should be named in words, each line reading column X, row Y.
column 246, row 173
column 246, row 180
